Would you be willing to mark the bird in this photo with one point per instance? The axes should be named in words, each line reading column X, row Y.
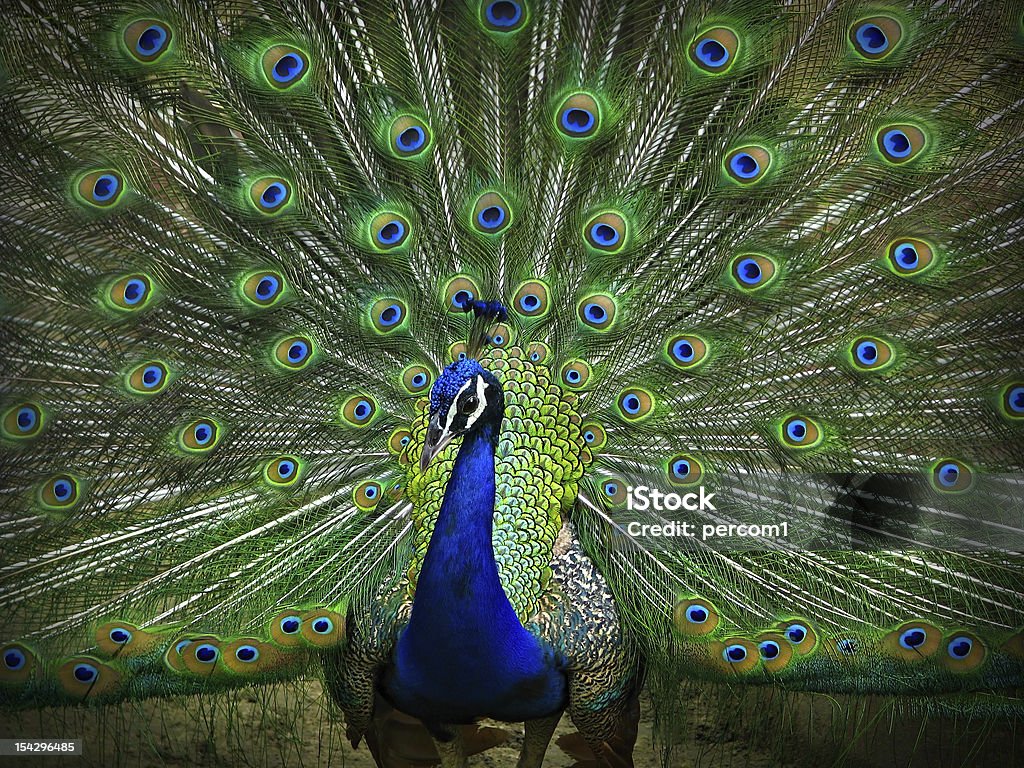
column 502, row 359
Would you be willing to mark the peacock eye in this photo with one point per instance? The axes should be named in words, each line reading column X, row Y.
column 469, row 404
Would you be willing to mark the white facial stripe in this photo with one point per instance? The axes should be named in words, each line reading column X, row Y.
column 481, row 402
column 453, row 409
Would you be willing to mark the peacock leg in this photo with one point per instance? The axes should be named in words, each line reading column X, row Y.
column 452, row 751
column 535, row 743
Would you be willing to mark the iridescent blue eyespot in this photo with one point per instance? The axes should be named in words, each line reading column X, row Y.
column 913, row 638
column 371, row 492
column 181, row 645
column 105, row 188
column 86, row 673
column 867, row 352
column 529, row 303
column 577, row 120
column 680, row 469
column 796, row 429
column 62, row 490
column 871, row 38
column 683, row 351
column 734, row 653
column 897, row 143
column 26, row 418
column 151, row 40
column 960, row 647
column 323, row 625
column 1014, row 401
column 273, row 195
column 573, row 376
column 267, row 287
column 744, row 165
column 298, row 351
column 595, row 313
column 362, row 410
column 419, row 380
column 135, row 290
column 247, row 653
column 769, row 649
column 579, row 116
column 491, row 217
column 285, row 468
column 202, row 433
column 152, row 376
column 391, row 315
column 611, row 489
column 604, row 235
column 749, row 271
column 290, row 625
column 796, row 633
column 631, row 404
column 206, row 653
column 411, row 139
column 120, row 636
column 697, row 614
column 391, row 233
column 288, row 68
column 14, row 659
column 948, row 474
column 711, row 53
column 503, row 15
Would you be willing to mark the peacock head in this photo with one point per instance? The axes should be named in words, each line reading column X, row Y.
column 465, row 398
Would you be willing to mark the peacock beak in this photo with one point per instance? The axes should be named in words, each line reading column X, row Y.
column 437, row 438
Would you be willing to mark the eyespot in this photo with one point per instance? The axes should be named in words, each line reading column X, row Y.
column 500, row 335
column 270, row 195
column 579, row 117
column 247, row 654
column 952, row 476
column 538, row 352
column 206, row 653
column 594, row 435
column 83, row 677
column 459, row 291
column 869, row 353
column 964, row 652
column 416, row 378
column 735, row 653
column 148, row 378
column 359, row 410
column 367, row 494
column 796, row 633
column 876, row 37
column 147, row 40
column 60, row 492
column 290, row 625
column 900, row 143
column 531, row 299
column 913, row 641
column 23, row 421
column 323, row 628
column 614, row 491
column 282, row 471
column 491, row 214
column 457, row 351
column 684, row 470
column 635, row 404
column 714, row 50
column 575, row 374
column 1013, row 400
column 686, row 351
column 120, row 636
column 909, row 256
column 408, row 136
column 503, row 16
column 294, row 352
column 262, row 288
column 131, row 292
column 800, row 432
column 748, row 165
column 389, row 230
column 200, row 436
column 398, row 440
column 752, row 271
column 18, row 665
column 606, row 232
column 284, row 66
column 769, row 649
column 695, row 616
column 800, row 635
column 101, row 189
column 388, row 314
column 597, row 311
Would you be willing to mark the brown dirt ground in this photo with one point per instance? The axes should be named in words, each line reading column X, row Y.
column 292, row 726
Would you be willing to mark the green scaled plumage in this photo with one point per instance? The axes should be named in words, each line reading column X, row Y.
column 773, row 250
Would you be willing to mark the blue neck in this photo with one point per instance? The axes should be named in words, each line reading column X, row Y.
column 464, row 653
column 459, row 579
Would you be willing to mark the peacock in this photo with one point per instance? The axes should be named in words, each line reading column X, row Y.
column 489, row 361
